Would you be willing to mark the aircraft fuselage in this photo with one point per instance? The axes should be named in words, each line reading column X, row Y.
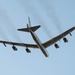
column 38, row 42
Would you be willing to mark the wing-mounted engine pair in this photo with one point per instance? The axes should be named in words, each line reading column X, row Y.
column 27, row 50
column 56, row 45
column 65, row 40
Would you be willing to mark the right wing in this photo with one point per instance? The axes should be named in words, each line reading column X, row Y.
column 19, row 44
column 57, row 38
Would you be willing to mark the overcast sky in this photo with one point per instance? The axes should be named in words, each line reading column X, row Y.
column 55, row 17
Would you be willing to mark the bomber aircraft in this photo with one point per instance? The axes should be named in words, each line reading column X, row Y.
column 39, row 44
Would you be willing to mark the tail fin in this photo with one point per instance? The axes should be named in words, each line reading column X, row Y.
column 29, row 26
column 29, row 22
column 32, row 28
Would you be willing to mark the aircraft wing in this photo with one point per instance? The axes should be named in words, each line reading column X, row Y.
column 57, row 38
column 19, row 44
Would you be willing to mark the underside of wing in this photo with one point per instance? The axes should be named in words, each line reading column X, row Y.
column 57, row 38
column 19, row 44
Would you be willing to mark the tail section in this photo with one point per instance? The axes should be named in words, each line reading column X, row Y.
column 29, row 22
column 32, row 28
column 29, row 26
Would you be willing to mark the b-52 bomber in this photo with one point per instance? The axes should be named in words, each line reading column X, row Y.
column 39, row 44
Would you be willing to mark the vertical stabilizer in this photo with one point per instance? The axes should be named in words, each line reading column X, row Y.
column 29, row 22
column 34, row 28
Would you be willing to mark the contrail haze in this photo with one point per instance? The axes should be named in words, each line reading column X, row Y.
column 51, row 14
column 7, row 27
column 34, row 11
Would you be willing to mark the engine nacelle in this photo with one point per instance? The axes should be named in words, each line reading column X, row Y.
column 65, row 40
column 28, row 51
column 56, row 45
column 14, row 48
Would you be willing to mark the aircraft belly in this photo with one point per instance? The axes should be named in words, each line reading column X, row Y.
column 39, row 44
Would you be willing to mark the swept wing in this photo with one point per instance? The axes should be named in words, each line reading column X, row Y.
column 57, row 38
column 46, row 44
column 19, row 44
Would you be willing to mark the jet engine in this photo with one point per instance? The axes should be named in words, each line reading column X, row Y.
column 28, row 51
column 14, row 48
column 56, row 45
column 65, row 40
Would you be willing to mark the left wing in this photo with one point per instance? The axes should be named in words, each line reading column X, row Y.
column 19, row 44
column 57, row 38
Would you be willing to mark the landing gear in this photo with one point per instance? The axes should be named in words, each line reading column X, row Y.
column 4, row 44
column 28, row 51
column 70, row 34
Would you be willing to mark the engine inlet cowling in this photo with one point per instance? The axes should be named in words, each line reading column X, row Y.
column 65, row 40
column 14, row 48
column 56, row 45
column 28, row 51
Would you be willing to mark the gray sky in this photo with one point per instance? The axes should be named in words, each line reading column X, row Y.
column 55, row 17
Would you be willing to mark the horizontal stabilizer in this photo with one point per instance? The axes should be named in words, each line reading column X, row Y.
column 32, row 28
